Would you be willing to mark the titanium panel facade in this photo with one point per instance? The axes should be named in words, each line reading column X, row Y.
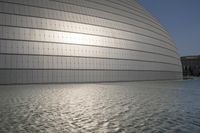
column 72, row 41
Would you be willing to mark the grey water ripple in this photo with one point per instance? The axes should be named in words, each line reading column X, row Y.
column 139, row 107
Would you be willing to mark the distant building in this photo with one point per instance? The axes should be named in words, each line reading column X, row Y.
column 191, row 65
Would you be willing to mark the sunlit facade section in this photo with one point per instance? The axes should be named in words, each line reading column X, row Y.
column 78, row 41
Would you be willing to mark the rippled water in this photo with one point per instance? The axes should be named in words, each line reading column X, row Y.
column 150, row 107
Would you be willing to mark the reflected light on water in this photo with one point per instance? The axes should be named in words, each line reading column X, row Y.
column 115, row 107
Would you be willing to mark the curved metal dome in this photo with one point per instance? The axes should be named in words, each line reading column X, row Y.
column 70, row 41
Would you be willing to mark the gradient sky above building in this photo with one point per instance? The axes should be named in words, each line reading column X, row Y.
column 182, row 19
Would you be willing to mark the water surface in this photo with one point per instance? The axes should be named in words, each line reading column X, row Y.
column 134, row 107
